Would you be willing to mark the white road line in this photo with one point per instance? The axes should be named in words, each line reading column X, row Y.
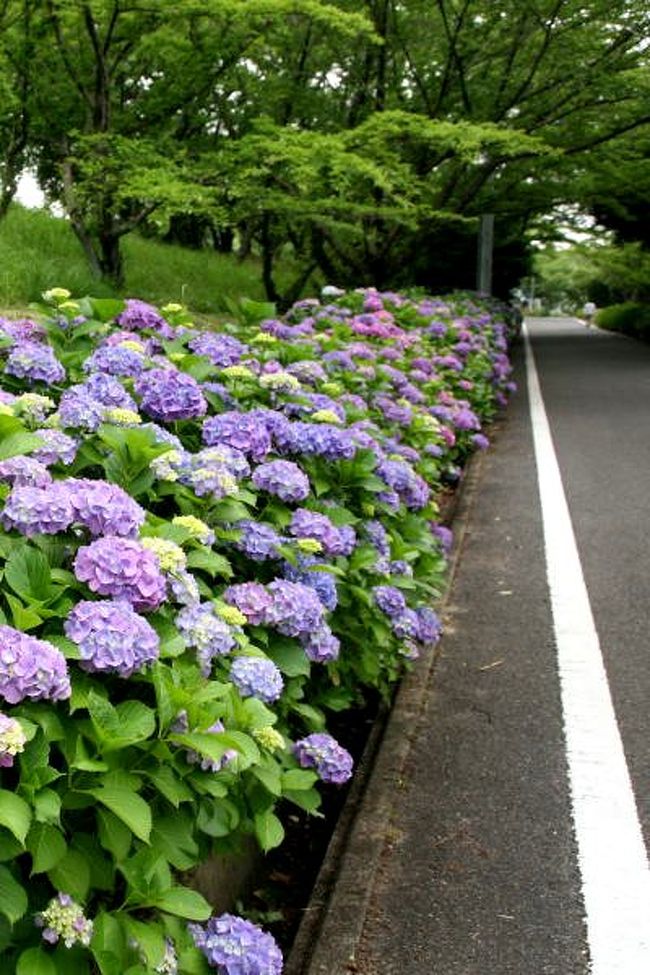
column 612, row 857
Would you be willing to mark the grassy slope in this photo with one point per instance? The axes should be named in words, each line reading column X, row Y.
column 38, row 251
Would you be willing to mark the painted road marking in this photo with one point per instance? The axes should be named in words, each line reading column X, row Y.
column 612, row 857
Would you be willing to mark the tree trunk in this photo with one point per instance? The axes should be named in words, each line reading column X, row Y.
column 110, row 261
column 267, row 261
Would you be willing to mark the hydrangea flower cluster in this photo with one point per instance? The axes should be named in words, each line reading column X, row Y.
column 111, row 637
column 257, row 677
column 205, row 632
column 57, row 447
column 168, row 395
column 12, row 740
column 282, row 478
column 64, row 920
column 245, row 432
column 311, row 524
column 323, row 753
column 38, row 510
column 24, row 471
column 122, row 568
column 31, row 669
column 235, row 946
column 35, row 362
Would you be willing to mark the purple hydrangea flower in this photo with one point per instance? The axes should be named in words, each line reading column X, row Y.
column 107, row 391
column 466, row 419
column 307, row 572
column 390, row 600
column 257, row 677
column 251, row 599
column 23, row 330
column 444, row 535
column 412, row 489
column 111, row 637
column 480, row 441
column 35, row 362
column 324, row 754
column 103, row 508
column 296, row 609
column 311, row 524
column 31, row 668
column 237, row 947
column 321, row 646
column 243, row 431
column 406, row 625
column 23, row 471
column 79, row 410
column 123, row 568
column 34, row 511
column 378, row 537
column 116, row 360
column 139, row 315
column 321, row 439
column 222, row 350
column 258, row 540
column 429, row 626
column 284, row 479
column 57, row 447
column 202, row 630
column 169, row 395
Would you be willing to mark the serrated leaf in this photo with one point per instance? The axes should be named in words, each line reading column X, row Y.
column 289, row 657
column 19, row 443
column 297, row 779
column 13, row 897
column 15, row 814
column 114, row 835
column 28, row 573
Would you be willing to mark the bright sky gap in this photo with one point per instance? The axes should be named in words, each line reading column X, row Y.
column 612, row 857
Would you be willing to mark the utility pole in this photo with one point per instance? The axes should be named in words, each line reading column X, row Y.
column 485, row 248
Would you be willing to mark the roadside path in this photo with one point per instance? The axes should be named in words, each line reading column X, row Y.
column 476, row 868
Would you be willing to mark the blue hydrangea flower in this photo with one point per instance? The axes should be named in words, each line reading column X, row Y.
column 24, row 471
column 31, row 668
column 77, row 409
column 35, row 362
column 111, row 637
column 57, row 447
column 222, row 350
column 115, row 360
column 258, row 540
column 284, row 479
column 138, row 315
column 235, row 946
column 324, row 754
column 257, row 677
column 251, row 599
column 321, row 645
column 429, row 628
column 108, row 391
column 307, row 572
column 390, row 600
column 311, row 524
column 202, row 630
column 321, row 439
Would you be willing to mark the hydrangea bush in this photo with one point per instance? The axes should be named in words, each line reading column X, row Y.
column 210, row 541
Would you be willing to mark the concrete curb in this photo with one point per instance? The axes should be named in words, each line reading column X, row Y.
column 333, row 923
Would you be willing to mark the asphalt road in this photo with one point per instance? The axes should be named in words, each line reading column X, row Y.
column 478, row 873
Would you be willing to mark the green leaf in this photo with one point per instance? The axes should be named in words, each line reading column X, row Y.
column 268, row 830
column 35, row 961
column 269, row 776
column 218, row 818
column 28, row 573
column 127, row 806
column 71, row 875
column 136, row 722
column 47, row 806
column 13, row 897
column 24, row 618
column 46, row 845
column 19, row 443
column 289, row 657
column 150, row 939
column 15, row 814
column 184, row 903
column 170, row 786
column 114, row 836
column 296, row 779
column 107, row 309
column 10, row 848
column 211, row 562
